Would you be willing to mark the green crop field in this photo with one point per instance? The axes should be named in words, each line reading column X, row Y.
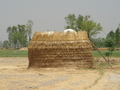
column 24, row 53
column 115, row 53
column 13, row 53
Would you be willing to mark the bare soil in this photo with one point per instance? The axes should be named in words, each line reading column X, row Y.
column 14, row 75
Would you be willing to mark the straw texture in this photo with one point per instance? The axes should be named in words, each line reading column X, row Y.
column 60, row 49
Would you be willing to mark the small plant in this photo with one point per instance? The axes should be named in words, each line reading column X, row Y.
column 110, row 44
column 108, row 55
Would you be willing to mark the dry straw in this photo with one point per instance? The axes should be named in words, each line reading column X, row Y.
column 60, row 49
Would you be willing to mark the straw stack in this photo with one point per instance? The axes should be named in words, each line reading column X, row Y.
column 60, row 49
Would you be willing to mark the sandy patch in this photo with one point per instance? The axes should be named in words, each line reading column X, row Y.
column 14, row 75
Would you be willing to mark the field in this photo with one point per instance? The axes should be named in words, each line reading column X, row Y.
column 14, row 74
column 115, row 53
column 13, row 53
column 24, row 53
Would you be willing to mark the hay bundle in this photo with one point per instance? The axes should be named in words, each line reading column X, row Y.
column 24, row 48
column 60, row 49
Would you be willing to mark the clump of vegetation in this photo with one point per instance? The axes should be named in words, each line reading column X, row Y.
column 83, row 23
column 18, row 36
column 111, row 47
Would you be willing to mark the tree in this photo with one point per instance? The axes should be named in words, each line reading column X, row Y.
column 10, row 31
column 17, row 36
column 5, row 44
column 98, row 42
column 111, row 35
column 79, row 21
column 29, row 28
column 71, row 21
column 14, row 39
column 22, row 35
column 110, row 43
column 22, row 39
column 91, row 27
column 117, row 36
column 83, row 23
column 0, row 44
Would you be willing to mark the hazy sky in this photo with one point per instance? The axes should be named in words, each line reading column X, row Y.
column 50, row 14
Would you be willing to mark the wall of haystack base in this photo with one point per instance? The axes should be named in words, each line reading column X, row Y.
column 63, row 50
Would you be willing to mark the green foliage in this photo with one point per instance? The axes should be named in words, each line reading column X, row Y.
column 98, row 42
column 107, row 54
column 79, row 21
column 117, row 36
column 17, row 36
column 5, row 44
column 29, row 28
column 91, row 27
column 83, row 23
column 0, row 44
column 114, row 54
column 111, row 35
column 14, row 38
column 111, row 38
column 71, row 21
column 109, row 43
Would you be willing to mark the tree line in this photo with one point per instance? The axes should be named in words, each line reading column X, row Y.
column 83, row 23
column 20, row 35
column 112, row 38
column 92, row 28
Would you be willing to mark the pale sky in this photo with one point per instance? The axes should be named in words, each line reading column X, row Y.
column 50, row 14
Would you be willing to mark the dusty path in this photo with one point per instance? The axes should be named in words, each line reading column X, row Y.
column 15, row 76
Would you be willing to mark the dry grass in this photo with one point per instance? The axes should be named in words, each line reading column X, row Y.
column 15, row 76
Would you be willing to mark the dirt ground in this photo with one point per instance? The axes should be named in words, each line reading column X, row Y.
column 14, row 75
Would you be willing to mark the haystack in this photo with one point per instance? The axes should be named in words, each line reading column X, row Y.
column 60, row 49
